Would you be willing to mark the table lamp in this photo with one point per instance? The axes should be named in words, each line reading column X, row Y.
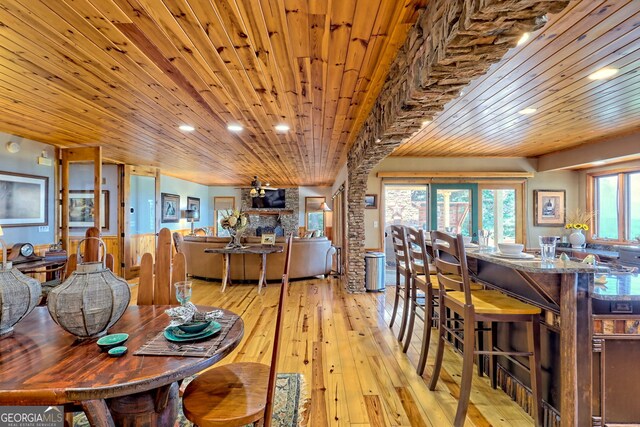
column 190, row 215
column 325, row 207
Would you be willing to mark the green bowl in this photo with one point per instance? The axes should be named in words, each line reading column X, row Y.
column 117, row 351
column 194, row 327
column 110, row 341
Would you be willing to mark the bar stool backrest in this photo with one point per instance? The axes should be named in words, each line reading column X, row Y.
column 417, row 252
column 400, row 247
column 452, row 270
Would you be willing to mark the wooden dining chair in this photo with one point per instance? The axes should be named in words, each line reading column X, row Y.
column 474, row 306
column 155, row 284
column 238, row 393
column 403, row 270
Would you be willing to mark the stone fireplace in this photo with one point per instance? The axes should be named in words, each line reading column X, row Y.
column 287, row 217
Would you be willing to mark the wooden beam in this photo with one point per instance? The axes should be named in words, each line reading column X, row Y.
column 430, row 174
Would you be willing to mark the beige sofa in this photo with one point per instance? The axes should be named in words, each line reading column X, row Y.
column 309, row 257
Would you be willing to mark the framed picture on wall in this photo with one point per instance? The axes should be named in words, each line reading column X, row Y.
column 170, row 204
column 23, row 199
column 549, row 208
column 193, row 203
column 81, row 212
column 371, row 201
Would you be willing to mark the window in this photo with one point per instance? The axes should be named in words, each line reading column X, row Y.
column 615, row 202
column 315, row 216
column 221, row 205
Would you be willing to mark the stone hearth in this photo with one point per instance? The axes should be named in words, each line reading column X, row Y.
column 289, row 215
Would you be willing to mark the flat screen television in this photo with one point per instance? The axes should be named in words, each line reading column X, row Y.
column 271, row 199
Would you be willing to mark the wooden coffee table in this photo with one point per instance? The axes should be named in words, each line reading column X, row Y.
column 44, row 365
column 262, row 250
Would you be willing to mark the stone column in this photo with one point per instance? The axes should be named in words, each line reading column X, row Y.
column 452, row 42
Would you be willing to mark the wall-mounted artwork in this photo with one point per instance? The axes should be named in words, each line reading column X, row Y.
column 370, row 201
column 170, row 207
column 23, row 200
column 81, row 210
column 549, row 208
column 193, row 203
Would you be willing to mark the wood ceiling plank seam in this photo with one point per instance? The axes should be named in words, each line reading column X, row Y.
column 537, row 124
column 253, row 118
column 317, row 44
column 147, row 21
column 579, row 85
column 341, row 19
column 377, row 50
column 304, row 70
column 84, row 61
column 151, row 85
column 565, row 134
column 390, row 48
column 538, row 96
column 292, row 114
column 603, row 121
column 277, row 26
column 276, row 41
column 268, row 102
column 569, row 36
column 358, row 32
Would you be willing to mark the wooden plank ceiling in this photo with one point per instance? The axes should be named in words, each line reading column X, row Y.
column 549, row 73
column 125, row 74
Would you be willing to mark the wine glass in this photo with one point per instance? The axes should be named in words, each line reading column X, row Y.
column 183, row 291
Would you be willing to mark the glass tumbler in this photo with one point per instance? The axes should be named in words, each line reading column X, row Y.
column 483, row 238
column 548, row 248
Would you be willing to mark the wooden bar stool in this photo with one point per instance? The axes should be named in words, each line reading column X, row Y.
column 479, row 306
column 238, row 393
column 403, row 269
column 421, row 281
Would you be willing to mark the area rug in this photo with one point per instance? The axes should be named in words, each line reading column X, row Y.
column 289, row 408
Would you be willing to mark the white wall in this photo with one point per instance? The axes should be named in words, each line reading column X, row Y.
column 559, row 180
column 25, row 162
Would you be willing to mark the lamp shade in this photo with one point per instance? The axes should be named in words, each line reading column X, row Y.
column 190, row 214
column 253, row 192
column 325, row 207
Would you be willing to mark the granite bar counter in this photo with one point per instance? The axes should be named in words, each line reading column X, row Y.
column 581, row 321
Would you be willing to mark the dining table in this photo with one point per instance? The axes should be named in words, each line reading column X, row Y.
column 262, row 250
column 44, row 365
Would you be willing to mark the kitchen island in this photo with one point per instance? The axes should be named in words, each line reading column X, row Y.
column 582, row 323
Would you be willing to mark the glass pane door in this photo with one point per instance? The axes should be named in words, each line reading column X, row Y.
column 499, row 215
column 454, row 208
column 403, row 205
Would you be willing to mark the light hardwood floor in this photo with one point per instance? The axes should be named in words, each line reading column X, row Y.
column 356, row 372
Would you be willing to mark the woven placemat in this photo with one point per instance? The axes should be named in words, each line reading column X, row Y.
column 160, row 346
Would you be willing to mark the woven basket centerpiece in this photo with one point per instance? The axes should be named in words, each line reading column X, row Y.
column 91, row 300
column 19, row 294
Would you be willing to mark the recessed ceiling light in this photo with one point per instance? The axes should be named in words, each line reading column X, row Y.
column 598, row 163
column 282, row 128
column 186, row 128
column 426, row 123
column 528, row 110
column 603, row 73
column 524, row 38
column 234, row 127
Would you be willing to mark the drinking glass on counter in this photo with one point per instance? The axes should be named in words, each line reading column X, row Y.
column 483, row 238
column 548, row 248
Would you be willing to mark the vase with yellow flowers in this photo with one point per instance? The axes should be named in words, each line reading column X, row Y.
column 578, row 222
column 235, row 222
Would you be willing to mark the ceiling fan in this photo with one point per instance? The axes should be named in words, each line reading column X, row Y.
column 257, row 188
